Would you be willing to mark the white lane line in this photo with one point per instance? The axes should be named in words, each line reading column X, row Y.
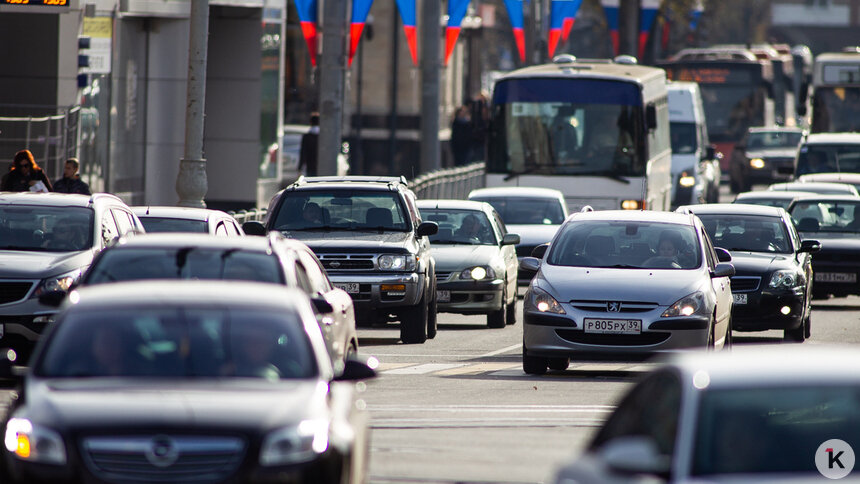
column 501, row 351
column 423, row 369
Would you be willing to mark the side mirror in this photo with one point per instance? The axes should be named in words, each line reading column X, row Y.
column 723, row 270
column 540, row 251
column 358, row 368
column 651, row 116
column 52, row 298
column 254, row 228
column 723, row 255
column 530, row 264
column 427, row 228
column 511, row 239
column 634, row 455
column 810, row 245
column 321, row 305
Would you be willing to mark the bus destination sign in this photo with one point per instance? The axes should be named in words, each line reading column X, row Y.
column 709, row 75
column 37, row 3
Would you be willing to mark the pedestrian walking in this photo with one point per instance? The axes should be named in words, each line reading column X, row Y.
column 308, row 150
column 461, row 136
column 71, row 181
column 25, row 175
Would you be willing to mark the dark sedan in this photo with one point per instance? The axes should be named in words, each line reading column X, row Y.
column 772, row 285
column 835, row 221
column 177, row 381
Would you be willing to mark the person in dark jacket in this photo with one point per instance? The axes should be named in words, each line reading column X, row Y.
column 308, row 149
column 25, row 174
column 71, row 181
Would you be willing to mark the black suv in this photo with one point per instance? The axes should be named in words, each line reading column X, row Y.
column 368, row 234
column 46, row 241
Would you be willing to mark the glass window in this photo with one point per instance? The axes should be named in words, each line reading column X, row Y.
column 163, row 224
column 631, row 245
column 747, row 233
column 124, row 222
column 683, row 138
column 109, row 228
column 315, row 273
column 41, row 228
column 761, row 140
column 527, row 211
column 824, row 216
column 179, row 342
column 356, row 210
column 732, row 109
column 469, row 227
column 817, row 158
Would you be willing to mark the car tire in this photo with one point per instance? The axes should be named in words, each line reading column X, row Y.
column 413, row 323
column 432, row 319
column 807, row 333
column 558, row 364
column 534, row 365
column 796, row 335
column 729, row 341
column 511, row 317
column 497, row 319
column 711, row 340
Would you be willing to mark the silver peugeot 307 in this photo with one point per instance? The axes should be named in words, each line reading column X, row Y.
column 625, row 282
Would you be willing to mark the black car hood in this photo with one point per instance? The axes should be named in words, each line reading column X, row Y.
column 835, row 241
column 241, row 405
column 756, row 263
column 351, row 240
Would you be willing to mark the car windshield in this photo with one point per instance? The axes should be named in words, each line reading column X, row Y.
column 826, row 216
column 469, row 227
column 163, row 224
column 178, row 342
column 683, row 136
column 41, row 228
column 819, row 158
column 128, row 264
column 626, row 244
column 747, row 232
column 342, row 209
column 764, row 140
column 771, row 430
column 526, row 211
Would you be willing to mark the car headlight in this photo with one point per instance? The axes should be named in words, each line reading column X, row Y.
column 784, row 279
column 59, row 283
column 291, row 445
column 686, row 180
column 757, row 163
column 399, row 262
column 687, row 306
column 478, row 273
column 33, row 442
column 543, row 302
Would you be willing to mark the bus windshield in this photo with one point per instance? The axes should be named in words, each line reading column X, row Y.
column 836, row 109
column 567, row 127
column 732, row 109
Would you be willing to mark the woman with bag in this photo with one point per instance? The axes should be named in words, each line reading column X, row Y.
column 25, row 176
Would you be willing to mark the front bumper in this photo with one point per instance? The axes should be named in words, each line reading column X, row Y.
column 371, row 295
column 471, row 297
column 554, row 335
column 762, row 310
column 839, row 276
column 23, row 322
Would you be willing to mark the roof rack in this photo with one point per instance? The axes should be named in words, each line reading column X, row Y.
column 352, row 178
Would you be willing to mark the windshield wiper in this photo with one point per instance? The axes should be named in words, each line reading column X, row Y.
column 622, row 266
column 527, row 171
column 608, row 174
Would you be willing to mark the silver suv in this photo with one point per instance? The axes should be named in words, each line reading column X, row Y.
column 46, row 241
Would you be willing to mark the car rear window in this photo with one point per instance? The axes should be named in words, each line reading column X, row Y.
column 747, row 232
column 163, row 224
column 526, row 211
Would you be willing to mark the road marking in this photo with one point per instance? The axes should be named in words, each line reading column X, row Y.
column 501, row 351
column 383, row 366
column 478, row 368
column 423, row 369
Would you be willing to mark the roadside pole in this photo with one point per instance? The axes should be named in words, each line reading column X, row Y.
column 628, row 27
column 191, row 182
column 430, row 66
column 332, row 67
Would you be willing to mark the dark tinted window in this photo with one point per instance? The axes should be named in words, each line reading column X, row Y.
column 747, row 232
column 159, row 224
column 526, row 211
column 683, row 138
column 816, row 158
column 360, row 210
column 470, row 227
column 761, row 140
column 826, row 216
column 177, row 342
column 128, row 264
column 52, row 229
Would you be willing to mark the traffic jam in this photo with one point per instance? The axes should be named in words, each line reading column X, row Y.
column 655, row 270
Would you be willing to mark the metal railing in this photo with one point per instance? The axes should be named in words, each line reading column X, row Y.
column 255, row 214
column 449, row 183
column 51, row 138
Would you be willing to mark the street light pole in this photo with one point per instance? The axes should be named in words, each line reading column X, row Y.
column 332, row 67
column 191, row 183
column 430, row 34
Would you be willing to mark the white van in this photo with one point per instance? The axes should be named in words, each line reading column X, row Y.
column 695, row 167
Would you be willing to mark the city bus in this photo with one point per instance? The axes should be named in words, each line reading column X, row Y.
column 597, row 130
column 836, row 92
column 737, row 90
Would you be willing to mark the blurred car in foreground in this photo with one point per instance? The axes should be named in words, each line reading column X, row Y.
column 272, row 259
column 172, row 381
column 46, row 241
column 765, row 155
column 616, row 281
column 816, row 187
column 849, row 178
column 533, row 213
column 187, row 219
column 770, row 198
column 758, row 414
column 772, row 285
column 476, row 264
column 835, row 221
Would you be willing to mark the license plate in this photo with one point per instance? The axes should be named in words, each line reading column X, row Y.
column 740, row 298
column 443, row 296
column 350, row 287
column 836, row 277
column 613, row 326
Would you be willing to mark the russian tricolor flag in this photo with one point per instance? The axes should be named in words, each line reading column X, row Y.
column 360, row 9
column 307, row 10
column 562, row 16
column 515, row 13
column 570, row 18
column 407, row 15
column 647, row 15
column 456, row 12
column 610, row 9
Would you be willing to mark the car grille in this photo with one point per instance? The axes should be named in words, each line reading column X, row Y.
column 346, row 262
column 644, row 339
column 187, row 459
column 14, row 291
column 604, row 306
column 442, row 276
column 745, row 283
column 525, row 250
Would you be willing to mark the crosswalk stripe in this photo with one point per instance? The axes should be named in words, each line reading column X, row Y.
column 423, row 369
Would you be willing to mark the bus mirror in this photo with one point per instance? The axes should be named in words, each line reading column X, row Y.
column 651, row 116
